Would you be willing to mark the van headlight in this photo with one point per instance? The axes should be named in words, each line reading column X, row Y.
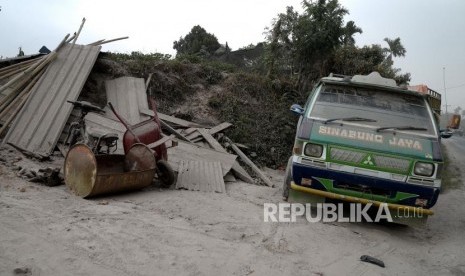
column 313, row 150
column 423, row 169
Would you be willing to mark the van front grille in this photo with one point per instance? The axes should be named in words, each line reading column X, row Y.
column 377, row 161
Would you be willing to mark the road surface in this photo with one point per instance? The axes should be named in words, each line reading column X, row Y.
column 49, row 231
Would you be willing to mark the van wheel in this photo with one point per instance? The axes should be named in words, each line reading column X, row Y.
column 287, row 179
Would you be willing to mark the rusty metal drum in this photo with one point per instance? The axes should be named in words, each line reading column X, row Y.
column 89, row 175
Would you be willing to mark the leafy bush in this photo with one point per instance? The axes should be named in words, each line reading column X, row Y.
column 259, row 110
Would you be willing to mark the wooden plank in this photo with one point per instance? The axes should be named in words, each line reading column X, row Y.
column 241, row 146
column 200, row 176
column 185, row 151
column 171, row 119
column 196, row 140
column 211, row 131
column 238, row 170
column 177, row 121
column 160, row 142
column 147, row 82
column 188, row 131
column 22, row 64
column 249, row 162
column 174, row 131
column 112, row 40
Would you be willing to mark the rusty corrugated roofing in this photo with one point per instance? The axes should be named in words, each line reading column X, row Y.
column 42, row 119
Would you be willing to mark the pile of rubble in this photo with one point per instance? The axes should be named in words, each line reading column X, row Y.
column 35, row 109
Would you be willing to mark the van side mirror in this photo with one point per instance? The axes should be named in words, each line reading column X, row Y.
column 297, row 109
column 445, row 133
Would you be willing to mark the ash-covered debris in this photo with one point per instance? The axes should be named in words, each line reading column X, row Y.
column 47, row 176
column 27, row 169
column 9, row 157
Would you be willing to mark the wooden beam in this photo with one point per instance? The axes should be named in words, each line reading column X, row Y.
column 212, row 131
column 188, row 131
column 96, row 42
column 17, row 66
column 160, row 142
column 238, row 170
column 249, row 162
column 168, row 118
column 112, row 40
column 79, row 31
column 174, row 131
column 147, row 82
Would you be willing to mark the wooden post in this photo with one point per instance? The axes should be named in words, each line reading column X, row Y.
column 250, row 163
column 112, row 40
column 175, row 132
column 147, row 82
column 96, row 42
column 79, row 31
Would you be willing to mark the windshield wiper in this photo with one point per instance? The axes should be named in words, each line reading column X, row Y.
column 350, row 119
column 402, row 128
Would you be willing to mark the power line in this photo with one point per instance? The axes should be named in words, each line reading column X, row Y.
column 457, row 86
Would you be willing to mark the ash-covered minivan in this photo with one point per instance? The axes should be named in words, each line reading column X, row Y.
column 364, row 139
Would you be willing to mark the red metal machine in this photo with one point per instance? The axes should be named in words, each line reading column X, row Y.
column 148, row 132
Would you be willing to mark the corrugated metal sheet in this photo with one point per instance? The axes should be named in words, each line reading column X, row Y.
column 42, row 119
column 127, row 94
column 184, row 151
column 200, row 176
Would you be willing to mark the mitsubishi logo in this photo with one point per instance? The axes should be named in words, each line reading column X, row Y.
column 368, row 161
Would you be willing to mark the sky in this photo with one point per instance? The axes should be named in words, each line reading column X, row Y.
column 433, row 31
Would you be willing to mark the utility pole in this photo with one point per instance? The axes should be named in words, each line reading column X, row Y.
column 445, row 92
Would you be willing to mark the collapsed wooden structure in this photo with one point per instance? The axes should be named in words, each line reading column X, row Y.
column 34, row 110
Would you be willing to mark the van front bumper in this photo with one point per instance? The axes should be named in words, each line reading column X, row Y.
column 340, row 185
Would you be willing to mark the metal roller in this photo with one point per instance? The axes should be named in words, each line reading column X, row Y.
column 89, row 175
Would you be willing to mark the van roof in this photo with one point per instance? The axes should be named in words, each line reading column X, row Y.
column 373, row 79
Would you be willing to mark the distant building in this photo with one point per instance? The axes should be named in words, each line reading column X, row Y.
column 44, row 50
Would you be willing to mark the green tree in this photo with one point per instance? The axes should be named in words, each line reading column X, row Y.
column 394, row 49
column 197, row 41
column 280, row 50
column 302, row 43
column 352, row 60
column 349, row 31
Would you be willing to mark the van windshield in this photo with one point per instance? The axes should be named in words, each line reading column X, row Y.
column 386, row 110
